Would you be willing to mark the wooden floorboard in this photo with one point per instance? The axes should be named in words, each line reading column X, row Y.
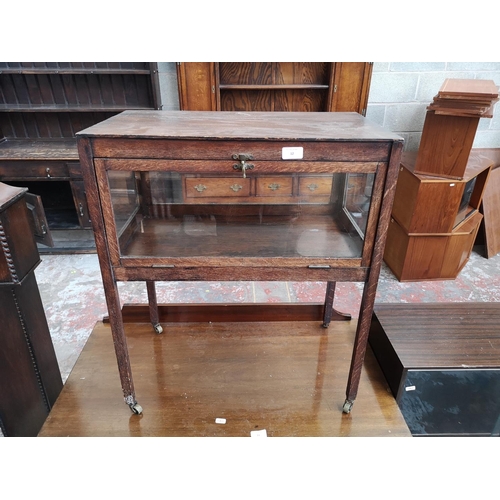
column 288, row 378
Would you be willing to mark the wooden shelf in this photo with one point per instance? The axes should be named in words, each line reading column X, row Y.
column 303, row 236
column 61, row 149
column 73, row 71
column 57, row 108
column 75, row 67
column 273, row 87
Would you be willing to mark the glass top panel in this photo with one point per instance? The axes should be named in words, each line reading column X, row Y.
column 168, row 214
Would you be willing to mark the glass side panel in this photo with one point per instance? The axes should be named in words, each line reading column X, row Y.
column 465, row 209
column 168, row 214
column 358, row 195
column 124, row 198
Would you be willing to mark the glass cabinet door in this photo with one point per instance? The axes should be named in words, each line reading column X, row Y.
column 173, row 214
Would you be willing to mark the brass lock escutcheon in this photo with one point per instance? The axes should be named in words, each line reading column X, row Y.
column 243, row 165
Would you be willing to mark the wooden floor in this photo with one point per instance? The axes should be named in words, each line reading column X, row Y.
column 288, row 378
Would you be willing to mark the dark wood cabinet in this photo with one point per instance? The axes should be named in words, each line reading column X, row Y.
column 441, row 364
column 30, row 380
column 42, row 106
column 203, row 196
column 278, row 86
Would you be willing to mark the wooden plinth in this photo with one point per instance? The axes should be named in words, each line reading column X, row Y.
column 426, row 257
column 288, row 378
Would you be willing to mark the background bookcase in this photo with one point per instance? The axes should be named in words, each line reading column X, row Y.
column 274, row 86
column 42, row 106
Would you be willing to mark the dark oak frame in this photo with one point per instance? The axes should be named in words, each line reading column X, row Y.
column 142, row 137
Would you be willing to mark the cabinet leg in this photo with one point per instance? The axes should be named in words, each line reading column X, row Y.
column 153, row 307
column 120, row 345
column 360, row 342
column 331, row 314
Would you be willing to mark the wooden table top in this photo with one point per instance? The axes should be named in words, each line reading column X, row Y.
column 431, row 335
column 287, row 377
column 303, row 126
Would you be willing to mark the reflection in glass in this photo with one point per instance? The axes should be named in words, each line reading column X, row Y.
column 170, row 214
column 358, row 194
column 124, row 198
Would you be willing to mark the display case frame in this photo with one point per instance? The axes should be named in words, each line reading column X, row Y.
column 239, row 146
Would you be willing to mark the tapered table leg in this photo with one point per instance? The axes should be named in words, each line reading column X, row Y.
column 153, row 306
column 331, row 314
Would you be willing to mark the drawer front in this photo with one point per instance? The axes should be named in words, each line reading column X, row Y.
column 33, row 170
column 216, row 187
column 378, row 151
column 315, row 185
column 274, row 186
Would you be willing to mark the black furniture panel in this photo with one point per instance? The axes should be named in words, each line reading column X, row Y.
column 442, row 365
column 452, row 402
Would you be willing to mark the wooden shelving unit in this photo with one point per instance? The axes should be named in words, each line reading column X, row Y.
column 276, row 86
column 42, row 106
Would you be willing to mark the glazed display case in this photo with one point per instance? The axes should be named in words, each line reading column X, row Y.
column 229, row 196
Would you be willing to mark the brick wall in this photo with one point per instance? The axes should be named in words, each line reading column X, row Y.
column 400, row 93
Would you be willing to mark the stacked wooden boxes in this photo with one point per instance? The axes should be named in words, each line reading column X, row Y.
column 435, row 217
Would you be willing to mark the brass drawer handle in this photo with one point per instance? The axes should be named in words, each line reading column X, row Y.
column 312, row 187
column 274, row 186
column 236, row 187
column 200, row 188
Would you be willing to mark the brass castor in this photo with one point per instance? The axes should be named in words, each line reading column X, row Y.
column 347, row 406
column 136, row 408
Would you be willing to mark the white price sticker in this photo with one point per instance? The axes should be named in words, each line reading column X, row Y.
column 292, row 153
column 261, row 433
column 220, row 420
